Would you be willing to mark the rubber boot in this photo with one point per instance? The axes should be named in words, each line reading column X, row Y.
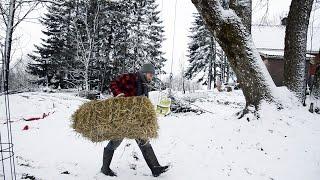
column 152, row 161
column 107, row 157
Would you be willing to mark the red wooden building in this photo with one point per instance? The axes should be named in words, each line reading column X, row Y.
column 269, row 41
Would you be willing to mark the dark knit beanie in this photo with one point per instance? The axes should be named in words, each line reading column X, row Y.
column 148, row 68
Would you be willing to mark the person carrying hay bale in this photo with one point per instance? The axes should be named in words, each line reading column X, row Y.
column 127, row 85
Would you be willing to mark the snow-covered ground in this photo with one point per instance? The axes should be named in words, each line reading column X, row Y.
column 279, row 146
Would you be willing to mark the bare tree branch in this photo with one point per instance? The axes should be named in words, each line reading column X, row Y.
column 44, row 1
column 25, row 15
column 3, row 13
column 264, row 19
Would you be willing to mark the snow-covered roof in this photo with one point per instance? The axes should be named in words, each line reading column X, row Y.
column 275, row 53
column 272, row 52
column 272, row 38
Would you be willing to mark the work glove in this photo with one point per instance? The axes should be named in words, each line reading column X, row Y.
column 120, row 95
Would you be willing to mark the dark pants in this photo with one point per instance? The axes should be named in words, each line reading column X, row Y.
column 114, row 144
column 146, row 150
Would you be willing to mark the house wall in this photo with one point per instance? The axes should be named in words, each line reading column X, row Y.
column 275, row 68
column 315, row 63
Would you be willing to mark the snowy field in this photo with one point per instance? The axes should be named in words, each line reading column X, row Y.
column 279, row 146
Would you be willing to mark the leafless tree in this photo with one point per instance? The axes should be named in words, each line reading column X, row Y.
column 86, row 42
column 12, row 13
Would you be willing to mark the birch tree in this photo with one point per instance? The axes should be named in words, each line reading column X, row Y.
column 86, row 28
column 9, row 21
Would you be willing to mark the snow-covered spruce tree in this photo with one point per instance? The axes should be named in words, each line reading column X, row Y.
column 155, row 36
column 237, row 43
column 54, row 56
column 295, row 47
column 127, row 34
column 145, row 34
column 116, row 34
column 105, row 42
column 202, row 53
column 138, row 35
column 124, row 36
column 102, row 39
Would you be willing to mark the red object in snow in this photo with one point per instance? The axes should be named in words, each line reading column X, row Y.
column 26, row 127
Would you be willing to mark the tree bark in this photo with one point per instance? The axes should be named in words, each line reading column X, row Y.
column 237, row 43
column 228, row 73
column 243, row 9
column 215, row 73
column 224, row 67
column 211, row 61
column 315, row 92
column 210, row 74
column 295, row 47
column 8, row 44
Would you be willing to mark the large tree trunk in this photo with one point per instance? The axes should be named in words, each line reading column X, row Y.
column 295, row 47
column 237, row 43
column 7, row 44
column 243, row 9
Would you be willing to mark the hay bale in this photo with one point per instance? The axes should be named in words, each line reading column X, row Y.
column 116, row 118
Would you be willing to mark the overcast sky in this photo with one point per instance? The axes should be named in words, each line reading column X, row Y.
column 29, row 32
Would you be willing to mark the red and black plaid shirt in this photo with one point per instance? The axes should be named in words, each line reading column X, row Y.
column 125, row 83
